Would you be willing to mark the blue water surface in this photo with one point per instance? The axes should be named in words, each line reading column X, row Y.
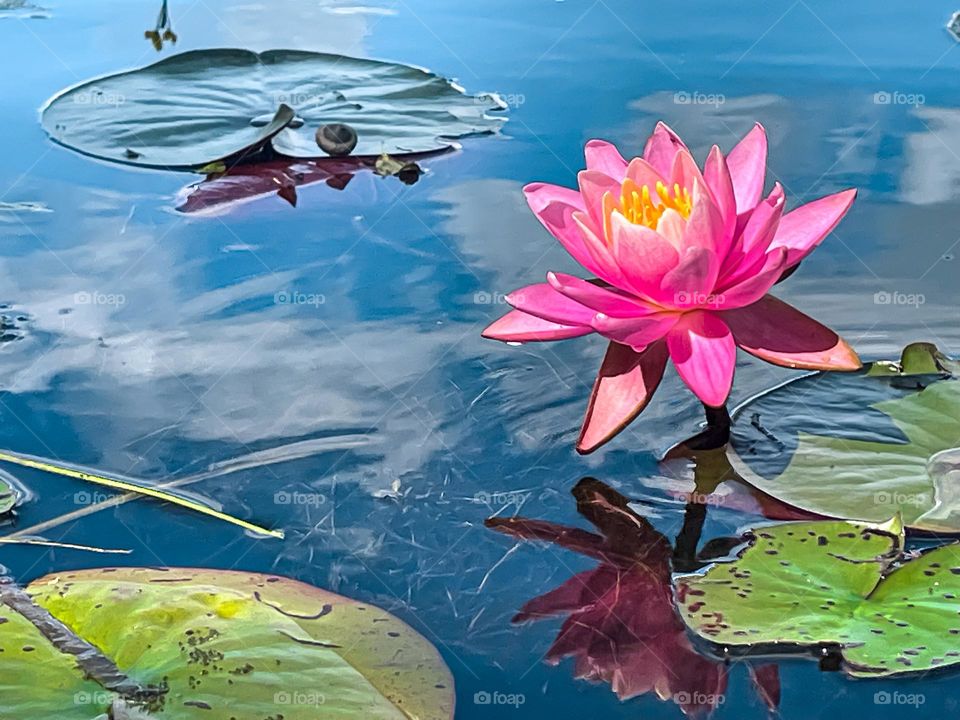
column 377, row 427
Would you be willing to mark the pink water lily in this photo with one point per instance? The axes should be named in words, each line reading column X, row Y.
column 682, row 260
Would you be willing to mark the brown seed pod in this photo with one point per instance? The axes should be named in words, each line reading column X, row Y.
column 336, row 139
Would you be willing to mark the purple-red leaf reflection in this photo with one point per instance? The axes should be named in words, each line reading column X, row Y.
column 621, row 625
column 221, row 191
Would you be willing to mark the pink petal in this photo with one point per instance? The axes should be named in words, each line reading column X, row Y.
column 608, row 301
column 624, row 386
column 692, row 280
column 643, row 173
column 661, row 147
column 780, row 334
column 517, row 326
column 643, row 256
column 593, row 186
column 748, row 165
column 755, row 284
column 555, row 207
column 600, row 256
column 684, row 171
column 702, row 349
column 545, row 302
column 605, row 157
column 717, row 177
column 637, row 332
column 705, row 226
column 802, row 229
column 762, row 225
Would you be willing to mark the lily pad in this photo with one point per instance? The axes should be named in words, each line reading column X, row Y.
column 205, row 106
column 835, row 586
column 9, row 497
column 859, row 446
column 211, row 644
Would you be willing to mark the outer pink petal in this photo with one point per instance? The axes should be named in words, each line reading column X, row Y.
column 661, row 147
column 762, row 225
column 605, row 157
column 545, row 302
column 556, row 208
column 624, row 386
column 642, row 255
column 638, row 332
column 593, row 186
column 748, row 165
column 802, row 229
column 780, row 334
column 517, row 326
column 702, row 349
column 754, row 285
column 608, row 301
column 716, row 174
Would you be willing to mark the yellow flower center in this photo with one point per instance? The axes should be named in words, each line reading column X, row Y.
column 641, row 207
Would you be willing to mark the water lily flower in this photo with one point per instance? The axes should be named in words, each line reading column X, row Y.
column 682, row 260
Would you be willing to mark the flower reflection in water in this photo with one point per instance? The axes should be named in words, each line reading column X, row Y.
column 621, row 624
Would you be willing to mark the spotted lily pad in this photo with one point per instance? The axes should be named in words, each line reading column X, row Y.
column 860, row 446
column 205, row 106
column 837, row 585
column 184, row 643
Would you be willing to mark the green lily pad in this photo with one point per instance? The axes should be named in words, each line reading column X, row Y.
column 859, row 446
column 216, row 644
column 9, row 497
column 206, row 106
column 832, row 584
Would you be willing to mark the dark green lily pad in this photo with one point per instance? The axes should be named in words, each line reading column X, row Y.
column 215, row 644
column 832, row 584
column 205, row 106
column 860, row 446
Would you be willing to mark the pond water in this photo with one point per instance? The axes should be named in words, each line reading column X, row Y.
column 376, row 427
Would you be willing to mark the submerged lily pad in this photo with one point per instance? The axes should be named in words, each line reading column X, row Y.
column 835, row 585
column 859, row 446
column 213, row 644
column 204, row 106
